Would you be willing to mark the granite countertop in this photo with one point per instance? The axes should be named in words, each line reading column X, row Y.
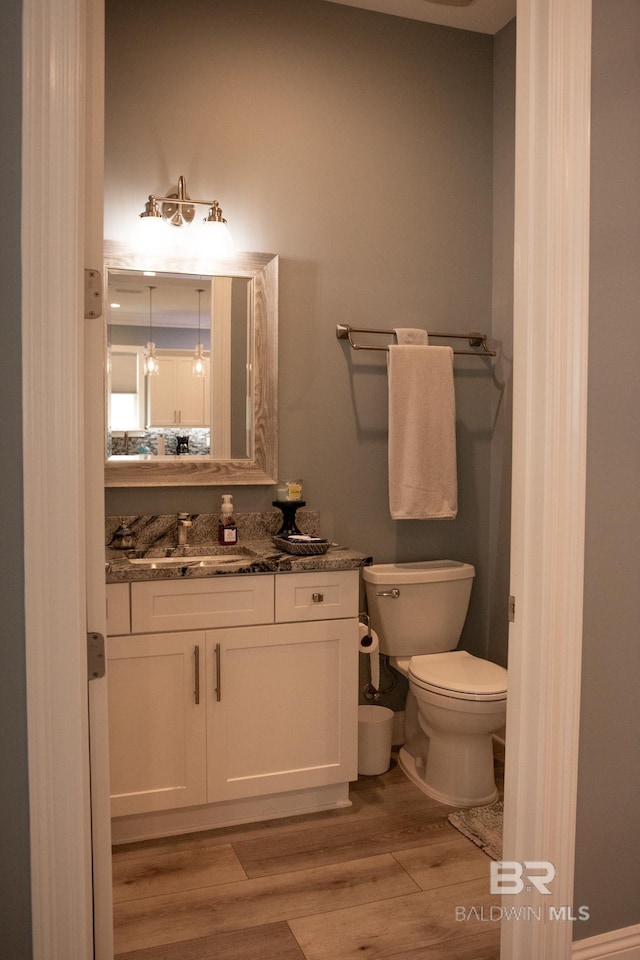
column 152, row 553
column 256, row 556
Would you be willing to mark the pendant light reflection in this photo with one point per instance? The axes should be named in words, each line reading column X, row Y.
column 199, row 364
column 151, row 365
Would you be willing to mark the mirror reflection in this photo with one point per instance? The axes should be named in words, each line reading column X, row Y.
column 191, row 392
column 168, row 393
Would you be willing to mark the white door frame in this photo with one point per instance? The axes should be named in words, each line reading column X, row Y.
column 549, row 424
column 63, row 119
column 95, row 432
column 54, row 491
column 551, row 319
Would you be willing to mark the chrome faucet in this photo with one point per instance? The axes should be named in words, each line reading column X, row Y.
column 183, row 528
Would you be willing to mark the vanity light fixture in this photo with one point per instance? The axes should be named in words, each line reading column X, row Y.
column 151, row 365
column 178, row 209
column 199, row 364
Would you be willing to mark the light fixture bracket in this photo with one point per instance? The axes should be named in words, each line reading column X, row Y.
column 178, row 208
column 181, row 210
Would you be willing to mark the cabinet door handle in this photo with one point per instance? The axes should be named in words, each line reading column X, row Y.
column 218, row 687
column 317, row 597
column 196, row 664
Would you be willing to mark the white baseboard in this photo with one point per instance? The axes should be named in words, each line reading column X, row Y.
column 621, row 944
column 228, row 813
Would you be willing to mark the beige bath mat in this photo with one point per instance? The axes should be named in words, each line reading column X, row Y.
column 483, row 825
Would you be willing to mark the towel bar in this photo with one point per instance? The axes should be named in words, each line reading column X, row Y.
column 477, row 340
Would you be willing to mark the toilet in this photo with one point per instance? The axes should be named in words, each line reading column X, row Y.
column 456, row 701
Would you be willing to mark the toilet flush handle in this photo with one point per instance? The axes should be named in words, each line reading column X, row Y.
column 395, row 593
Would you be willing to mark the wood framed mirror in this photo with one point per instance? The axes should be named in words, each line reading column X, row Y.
column 218, row 429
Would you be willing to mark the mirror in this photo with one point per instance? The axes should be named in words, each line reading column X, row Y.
column 177, row 428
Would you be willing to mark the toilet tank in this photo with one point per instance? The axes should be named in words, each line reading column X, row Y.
column 418, row 608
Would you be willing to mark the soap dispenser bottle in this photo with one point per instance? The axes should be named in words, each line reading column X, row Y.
column 227, row 530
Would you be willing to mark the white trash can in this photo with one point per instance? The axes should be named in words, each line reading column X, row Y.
column 375, row 726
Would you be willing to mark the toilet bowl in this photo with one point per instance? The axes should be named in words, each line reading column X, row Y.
column 448, row 749
column 456, row 701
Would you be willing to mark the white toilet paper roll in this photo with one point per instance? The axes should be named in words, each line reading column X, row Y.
column 369, row 644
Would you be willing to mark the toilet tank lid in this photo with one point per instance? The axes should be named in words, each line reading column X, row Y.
column 420, row 571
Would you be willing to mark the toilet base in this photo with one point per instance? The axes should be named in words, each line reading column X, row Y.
column 414, row 768
column 448, row 748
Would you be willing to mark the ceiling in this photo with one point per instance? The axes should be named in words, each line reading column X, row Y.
column 481, row 16
column 175, row 299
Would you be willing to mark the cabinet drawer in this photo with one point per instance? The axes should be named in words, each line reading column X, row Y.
column 321, row 595
column 118, row 609
column 159, row 605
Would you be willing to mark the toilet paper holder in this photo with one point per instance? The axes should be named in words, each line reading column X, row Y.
column 371, row 692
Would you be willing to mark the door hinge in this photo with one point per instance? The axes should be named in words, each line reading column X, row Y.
column 95, row 656
column 511, row 615
column 92, row 294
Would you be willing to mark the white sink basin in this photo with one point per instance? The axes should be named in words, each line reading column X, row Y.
column 204, row 561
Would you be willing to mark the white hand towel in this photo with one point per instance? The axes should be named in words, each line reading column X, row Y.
column 411, row 335
column 423, row 482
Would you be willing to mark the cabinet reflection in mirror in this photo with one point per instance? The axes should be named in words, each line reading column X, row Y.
column 191, row 382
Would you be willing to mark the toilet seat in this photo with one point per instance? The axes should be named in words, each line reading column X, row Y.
column 460, row 675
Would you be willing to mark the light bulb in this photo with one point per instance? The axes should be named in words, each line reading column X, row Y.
column 151, row 235
column 215, row 239
column 199, row 365
column 151, row 365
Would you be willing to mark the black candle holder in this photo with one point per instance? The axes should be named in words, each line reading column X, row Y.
column 288, row 508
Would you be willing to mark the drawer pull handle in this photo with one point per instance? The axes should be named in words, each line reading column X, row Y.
column 218, row 688
column 196, row 659
column 318, row 597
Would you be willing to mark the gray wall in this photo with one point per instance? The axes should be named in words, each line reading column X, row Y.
column 359, row 147
column 608, row 840
column 504, row 67
column 15, row 907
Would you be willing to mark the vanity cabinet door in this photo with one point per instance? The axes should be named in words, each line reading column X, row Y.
column 282, row 706
column 176, row 397
column 157, row 725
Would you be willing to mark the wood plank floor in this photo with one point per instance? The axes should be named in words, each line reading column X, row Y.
column 380, row 879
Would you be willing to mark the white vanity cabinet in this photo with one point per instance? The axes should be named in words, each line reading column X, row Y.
column 118, row 609
column 233, row 698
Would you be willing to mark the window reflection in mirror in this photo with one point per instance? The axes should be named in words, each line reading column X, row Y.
column 177, row 412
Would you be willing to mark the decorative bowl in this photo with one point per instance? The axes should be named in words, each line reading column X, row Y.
column 302, row 548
